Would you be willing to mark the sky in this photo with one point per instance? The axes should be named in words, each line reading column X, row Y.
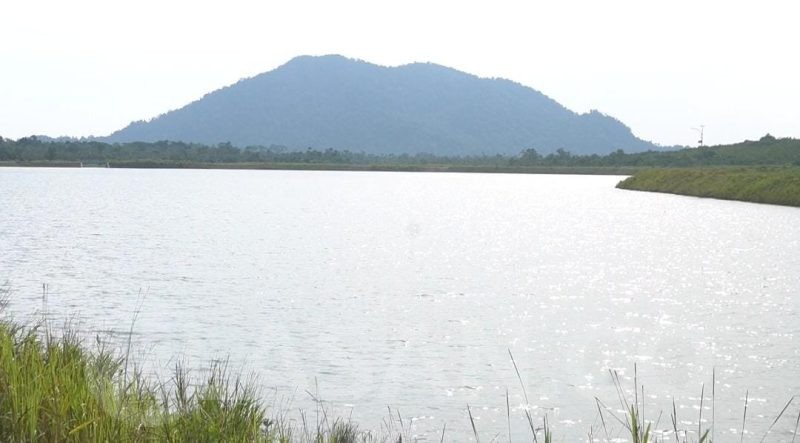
column 90, row 67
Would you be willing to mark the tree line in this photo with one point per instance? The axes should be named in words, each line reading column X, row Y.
column 766, row 151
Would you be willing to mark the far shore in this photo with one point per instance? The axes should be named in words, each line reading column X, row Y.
column 501, row 169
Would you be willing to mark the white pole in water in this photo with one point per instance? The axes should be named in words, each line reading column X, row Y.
column 700, row 130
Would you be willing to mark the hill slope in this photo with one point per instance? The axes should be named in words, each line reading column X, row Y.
column 335, row 102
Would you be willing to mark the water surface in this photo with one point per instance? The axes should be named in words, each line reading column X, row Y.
column 407, row 290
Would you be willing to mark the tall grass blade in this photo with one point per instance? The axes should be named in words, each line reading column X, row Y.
column 796, row 424
column 778, row 418
column 744, row 416
column 519, row 377
column 700, row 416
column 532, row 426
column 674, row 417
column 472, row 421
column 713, row 401
column 508, row 416
column 602, row 419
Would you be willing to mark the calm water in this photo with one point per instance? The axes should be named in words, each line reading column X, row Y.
column 408, row 289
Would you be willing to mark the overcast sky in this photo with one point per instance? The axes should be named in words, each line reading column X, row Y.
column 89, row 67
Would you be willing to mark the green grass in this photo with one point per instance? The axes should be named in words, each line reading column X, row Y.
column 773, row 185
column 55, row 389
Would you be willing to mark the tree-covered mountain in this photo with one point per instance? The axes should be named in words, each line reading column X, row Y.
column 335, row 102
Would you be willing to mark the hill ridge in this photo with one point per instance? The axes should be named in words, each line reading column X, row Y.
column 335, row 102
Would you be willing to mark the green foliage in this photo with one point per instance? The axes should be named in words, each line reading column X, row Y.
column 774, row 185
column 31, row 150
column 54, row 389
column 639, row 429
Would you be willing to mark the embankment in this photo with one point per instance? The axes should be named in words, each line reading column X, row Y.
column 772, row 185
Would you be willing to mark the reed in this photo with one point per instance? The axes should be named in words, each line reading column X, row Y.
column 55, row 388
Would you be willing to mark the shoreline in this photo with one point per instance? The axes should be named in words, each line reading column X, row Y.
column 54, row 387
column 767, row 185
column 499, row 169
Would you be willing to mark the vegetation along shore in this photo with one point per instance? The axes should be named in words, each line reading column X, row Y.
column 54, row 388
column 763, row 171
column 773, row 185
column 33, row 151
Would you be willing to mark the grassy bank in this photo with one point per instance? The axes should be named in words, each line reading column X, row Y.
column 773, row 185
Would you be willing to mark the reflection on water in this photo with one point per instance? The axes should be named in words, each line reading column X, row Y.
column 409, row 289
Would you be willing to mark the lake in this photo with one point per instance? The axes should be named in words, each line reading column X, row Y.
column 407, row 290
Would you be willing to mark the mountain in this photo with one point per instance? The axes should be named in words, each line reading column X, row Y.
column 335, row 102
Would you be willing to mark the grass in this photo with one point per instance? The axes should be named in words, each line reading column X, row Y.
column 55, row 389
column 773, row 185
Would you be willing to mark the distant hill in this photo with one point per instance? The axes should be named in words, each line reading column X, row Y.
column 340, row 103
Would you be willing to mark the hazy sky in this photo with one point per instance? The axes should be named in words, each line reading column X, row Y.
column 89, row 67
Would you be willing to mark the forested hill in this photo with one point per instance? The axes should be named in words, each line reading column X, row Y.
column 335, row 102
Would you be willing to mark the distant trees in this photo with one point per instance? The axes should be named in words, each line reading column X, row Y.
column 530, row 157
column 767, row 151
